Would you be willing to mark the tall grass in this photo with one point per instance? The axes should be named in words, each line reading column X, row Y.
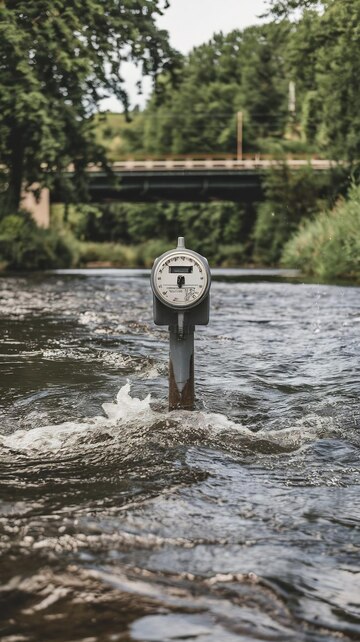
column 328, row 246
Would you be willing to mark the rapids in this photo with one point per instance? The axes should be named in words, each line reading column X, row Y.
column 122, row 521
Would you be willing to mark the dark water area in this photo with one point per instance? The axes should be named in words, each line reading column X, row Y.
column 120, row 521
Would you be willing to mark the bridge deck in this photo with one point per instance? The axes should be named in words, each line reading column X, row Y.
column 186, row 179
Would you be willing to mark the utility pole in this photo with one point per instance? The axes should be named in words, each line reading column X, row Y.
column 293, row 134
column 239, row 135
column 292, row 98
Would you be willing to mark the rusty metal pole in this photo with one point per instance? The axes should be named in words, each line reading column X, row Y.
column 181, row 369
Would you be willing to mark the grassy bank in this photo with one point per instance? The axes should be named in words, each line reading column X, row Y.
column 117, row 255
column 90, row 254
column 328, row 246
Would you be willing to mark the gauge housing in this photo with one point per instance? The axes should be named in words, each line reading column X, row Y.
column 180, row 279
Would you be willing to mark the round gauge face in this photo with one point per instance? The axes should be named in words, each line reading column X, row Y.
column 180, row 279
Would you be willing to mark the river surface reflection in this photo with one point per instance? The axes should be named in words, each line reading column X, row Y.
column 122, row 521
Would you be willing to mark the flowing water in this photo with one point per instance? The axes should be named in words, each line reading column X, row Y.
column 122, row 521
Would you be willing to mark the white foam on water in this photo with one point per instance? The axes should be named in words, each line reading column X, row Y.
column 54, row 437
column 128, row 410
column 127, row 407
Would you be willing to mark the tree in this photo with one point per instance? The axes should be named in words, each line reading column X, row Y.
column 291, row 196
column 265, row 81
column 194, row 118
column 240, row 71
column 324, row 58
column 58, row 59
column 281, row 8
column 338, row 79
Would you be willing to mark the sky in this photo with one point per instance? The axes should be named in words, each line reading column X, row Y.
column 191, row 23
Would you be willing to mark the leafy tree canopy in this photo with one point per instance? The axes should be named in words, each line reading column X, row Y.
column 324, row 59
column 281, row 8
column 241, row 71
column 314, row 45
column 58, row 58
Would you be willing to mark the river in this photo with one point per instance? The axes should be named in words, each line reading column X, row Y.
column 120, row 521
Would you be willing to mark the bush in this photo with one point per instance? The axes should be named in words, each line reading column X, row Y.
column 147, row 252
column 148, row 229
column 329, row 245
column 24, row 246
column 290, row 197
column 107, row 254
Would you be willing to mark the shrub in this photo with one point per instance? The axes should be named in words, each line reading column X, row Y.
column 206, row 227
column 147, row 252
column 290, row 197
column 107, row 253
column 24, row 246
column 329, row 245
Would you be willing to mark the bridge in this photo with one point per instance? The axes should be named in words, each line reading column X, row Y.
column 186, row 179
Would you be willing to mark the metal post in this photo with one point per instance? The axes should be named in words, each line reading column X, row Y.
column 181, row 369
column 180, row 281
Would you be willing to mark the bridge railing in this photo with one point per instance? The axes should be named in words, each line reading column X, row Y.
column 191, row 164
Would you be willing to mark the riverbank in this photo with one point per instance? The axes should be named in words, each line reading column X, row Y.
column 113, row 256
column 325, row 246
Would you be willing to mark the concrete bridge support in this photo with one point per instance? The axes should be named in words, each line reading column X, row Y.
column 40, row 210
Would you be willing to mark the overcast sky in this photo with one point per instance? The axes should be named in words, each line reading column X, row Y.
column 190, row 23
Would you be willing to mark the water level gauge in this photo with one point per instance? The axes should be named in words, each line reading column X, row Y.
column 181, row 277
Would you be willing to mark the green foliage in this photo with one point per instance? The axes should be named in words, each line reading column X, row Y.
column 265, row 81
column 232, row 255
column 119, row 222
column 328, row 246
column 281, row 8
column 290, row 197
column 209, row 226
column 92, row 254
column 57, row 61
column 249, row 71
column 338, row 63
column 106, row 254
column 242, row 71
column 120, row 134
column 24, row 246
column 153, row 220
column 324, row 58
column 147, row 252
column 217, row 229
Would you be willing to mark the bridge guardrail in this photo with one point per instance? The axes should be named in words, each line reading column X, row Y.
column 208, row 164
